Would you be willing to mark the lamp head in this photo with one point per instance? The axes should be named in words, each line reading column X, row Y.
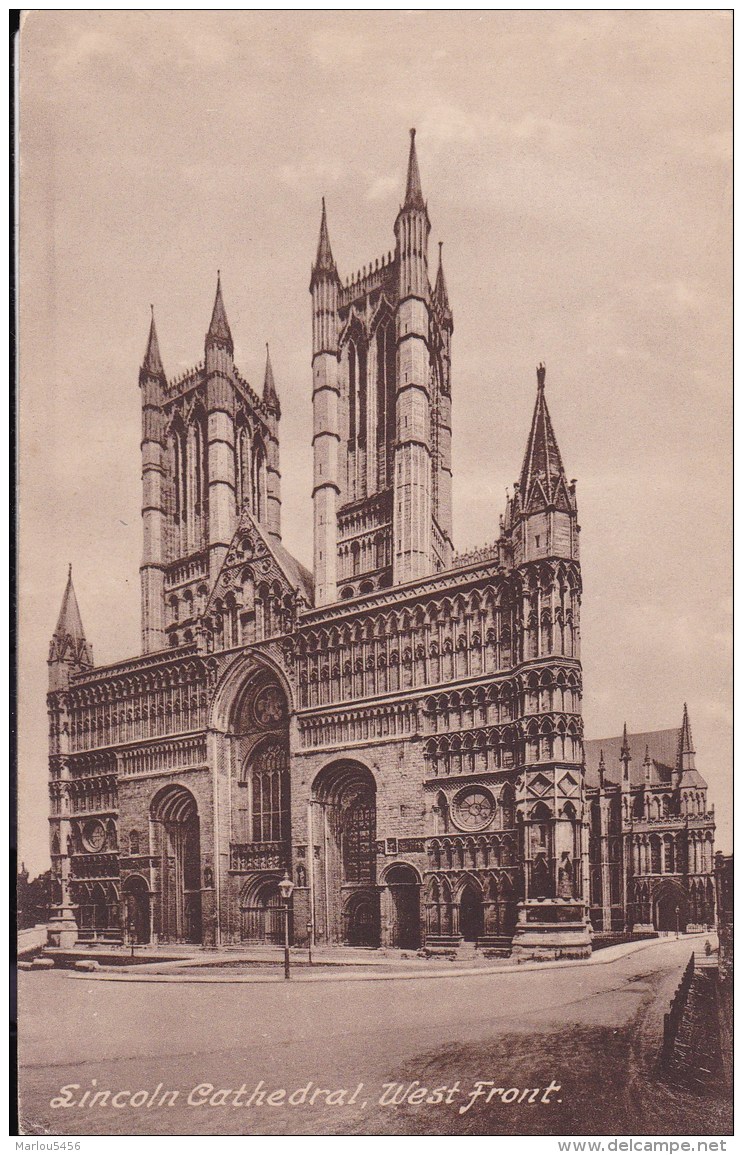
column 286, row 887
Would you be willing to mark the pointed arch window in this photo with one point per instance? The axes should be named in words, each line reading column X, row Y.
column 269, row 780
column 243, row 479
column 386, row 381
column 359, row 837
column 259, row 481
column 352, row 394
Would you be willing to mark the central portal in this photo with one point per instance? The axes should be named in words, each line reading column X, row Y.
column 344, row 832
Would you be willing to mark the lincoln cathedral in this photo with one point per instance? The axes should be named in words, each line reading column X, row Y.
column 399, row 732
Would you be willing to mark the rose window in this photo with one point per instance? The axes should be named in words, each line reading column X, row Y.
column 473, row 809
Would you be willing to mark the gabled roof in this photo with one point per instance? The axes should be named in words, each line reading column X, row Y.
column 662, row 747
column 285, row 567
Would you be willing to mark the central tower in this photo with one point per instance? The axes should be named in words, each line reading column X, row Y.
column 382, row 412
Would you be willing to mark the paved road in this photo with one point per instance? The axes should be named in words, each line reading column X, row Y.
column 592, row 1030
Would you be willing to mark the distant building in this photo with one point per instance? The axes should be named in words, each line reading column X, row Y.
column 400, row 730
column 651, row 839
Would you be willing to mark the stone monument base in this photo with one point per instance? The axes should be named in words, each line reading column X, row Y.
column 551, row 929
column 62, row 930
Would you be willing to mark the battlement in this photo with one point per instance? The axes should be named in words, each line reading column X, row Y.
column 187, row 380
column 366, row 280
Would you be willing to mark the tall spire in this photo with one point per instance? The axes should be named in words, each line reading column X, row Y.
column 68, row 641
column 542, row 460
column 648, row 763
column 686, row 752
column 413, row 190
column 152, row 363
column 270, row 396
column 219, row 328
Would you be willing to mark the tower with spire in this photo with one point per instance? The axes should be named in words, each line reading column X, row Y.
column 382, row 405
column 210, row 450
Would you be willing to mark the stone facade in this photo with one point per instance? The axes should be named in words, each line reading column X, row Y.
column 400, row 731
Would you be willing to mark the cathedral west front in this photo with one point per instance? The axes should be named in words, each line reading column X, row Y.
column 399, row 731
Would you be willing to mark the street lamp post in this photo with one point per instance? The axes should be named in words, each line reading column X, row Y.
column 286, row 888
column 677, row 922
column 309, row 940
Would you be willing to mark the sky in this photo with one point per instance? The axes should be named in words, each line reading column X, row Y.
column 577, row 168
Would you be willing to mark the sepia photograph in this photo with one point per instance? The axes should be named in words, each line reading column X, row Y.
column 374, row 423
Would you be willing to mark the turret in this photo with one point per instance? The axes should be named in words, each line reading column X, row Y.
column 220, row 455
column 152, row 384
column 273, row 472
column 412, row 510
column 324, row 286
column 69, row 652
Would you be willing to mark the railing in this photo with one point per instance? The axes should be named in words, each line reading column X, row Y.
column 481, row 553
column 672, row 1020
column 258, row 856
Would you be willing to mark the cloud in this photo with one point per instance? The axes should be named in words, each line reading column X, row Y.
column 383, row 188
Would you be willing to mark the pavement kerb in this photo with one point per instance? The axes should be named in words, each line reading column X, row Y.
column 601, row 958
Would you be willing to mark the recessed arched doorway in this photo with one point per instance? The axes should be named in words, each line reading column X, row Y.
column 262, row 913
column 405, row 906
column 361, row 919
column 344, row 827
column 470, row 913
column 176, row 838
column 670, row 908
column 136, row 896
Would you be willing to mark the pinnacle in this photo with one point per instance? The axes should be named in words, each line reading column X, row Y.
column 324, row 258
column 152, row 361
column 686, row 745
column 219, row 328
column 413, row 189
column 270, row 396
column 440, row 287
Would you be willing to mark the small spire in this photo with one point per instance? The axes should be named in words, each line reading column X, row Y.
column 152, row 363
column 270, row 396
column 219, row 328
column 647, row 763
column 440, row 288
column 542, row 460
column 624, row 754
column 413, row 189
column 602, row 768
column 69, row 637
column 686, row 753
column 324, row 258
